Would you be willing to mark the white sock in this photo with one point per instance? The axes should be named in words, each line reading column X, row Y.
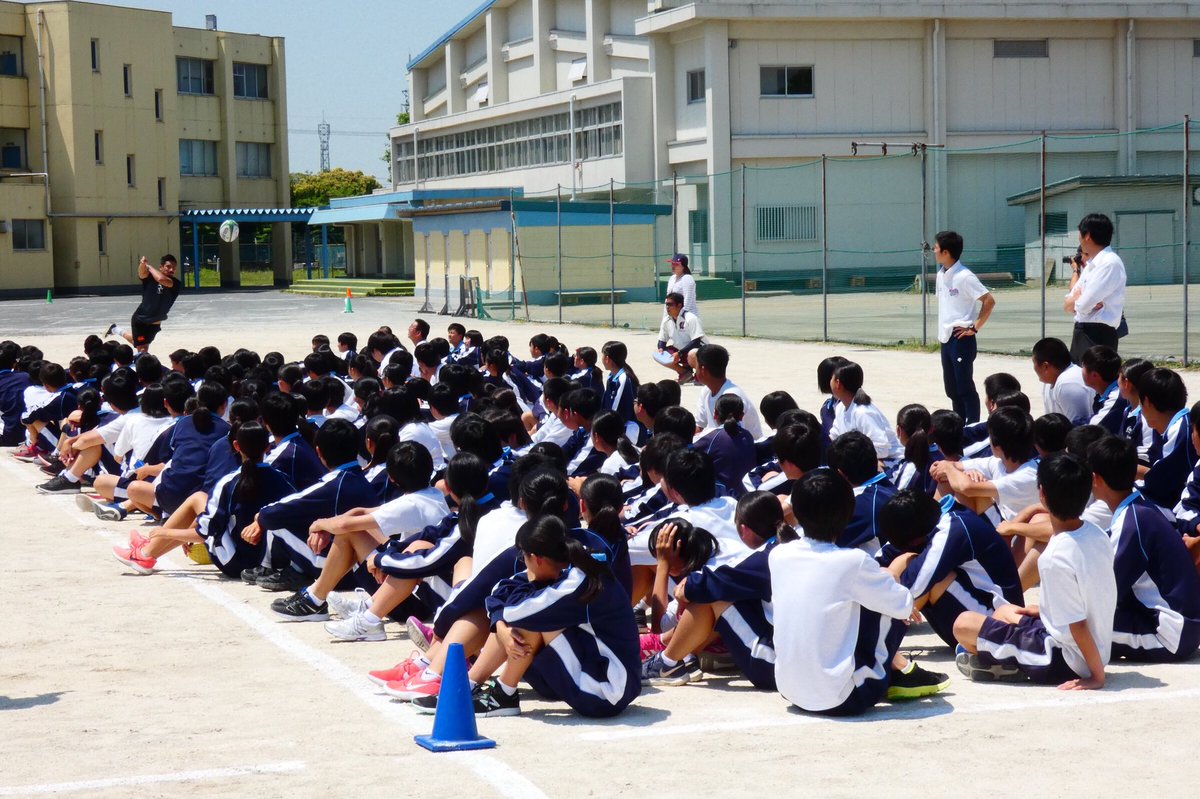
column 70, row 477
column 473, row 683
column 308, row 592
column 118, row 330
column 430, row 674
column 423, row 661
column 371, row 618
column 668, row 662
column 508, row 691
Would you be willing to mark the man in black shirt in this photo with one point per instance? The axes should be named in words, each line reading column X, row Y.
column 159, row 290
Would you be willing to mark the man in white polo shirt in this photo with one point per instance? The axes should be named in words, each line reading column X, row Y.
column 1097, row 293
column 958, row 290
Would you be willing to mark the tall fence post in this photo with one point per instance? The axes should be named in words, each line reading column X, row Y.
column 824, row 250
column 428, row 306
column 612, row 254
column 924, row 252
column 674, row 221
column 558, row 248
column 743, row 249
column 1187, row 214
column 1042, row 227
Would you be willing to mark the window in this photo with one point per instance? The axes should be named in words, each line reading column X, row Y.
column 194, row 75
column 130, row 174
column 10, row 55
column 127, row 77
column 101, row 238
column 695, row 86
column 162, row 194
column 1021, row 48
column 197, row 158
column 786, row 222
column 1056, row 223
column 785, row 81
column 98, row 144
column 1195, row 52
column 481, row 94
column 158, row 105
column 578, row 70
column 12, row 148
column 95, row 55
column 253, row 160
column 698, row 227
column 28, row 234
column 250, row 81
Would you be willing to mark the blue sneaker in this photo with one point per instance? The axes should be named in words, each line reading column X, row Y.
column 110, row 511
column 656, row 672
column 972, row 667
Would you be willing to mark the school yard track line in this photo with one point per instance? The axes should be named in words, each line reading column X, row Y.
column 1072, row 700
column 506, row 780
column 203, row 775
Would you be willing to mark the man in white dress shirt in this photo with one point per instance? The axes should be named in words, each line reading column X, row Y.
column 1097, row 293
column 958, row 291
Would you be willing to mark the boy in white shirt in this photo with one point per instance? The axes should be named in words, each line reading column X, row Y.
column 958, row 289
column 710, row 363
column 1063, row 389
column 1001, row 486
column 839, row 618
column 1068, row 639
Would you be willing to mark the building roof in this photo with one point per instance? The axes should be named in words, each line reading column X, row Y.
column 247, row 214
column 450, row 34
column 1096, row 181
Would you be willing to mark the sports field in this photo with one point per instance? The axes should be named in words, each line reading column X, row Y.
column 183, row 683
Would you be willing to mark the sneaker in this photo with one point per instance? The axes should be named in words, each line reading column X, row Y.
column 129, row 556
column 641, row 616
column 300, row 607
column 489, row 699
column 137, row 540
column 916, row 682
column 110, row 330
column 356, row 628
column 415, row 687
column 715, row 658
column 420, row 633
column 50, row 465
column 58, row 485
column 282, row 580
column 695, row 668
column 87, row 502
column 655, row 672
column 651, row 644
column 398, row 673
column 28, row 453
column 973, row 669
column 346, row 604
column 685, row 378
column 109, row 511
column 250, row 576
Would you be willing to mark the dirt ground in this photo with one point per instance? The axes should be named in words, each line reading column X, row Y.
column 182, row 683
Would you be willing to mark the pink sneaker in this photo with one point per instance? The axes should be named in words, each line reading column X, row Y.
column 420, row 633
column 651, row 644
column 130, row 557
column 29, row 453
column 398, row 673
column 137, row 540
column 415, row 686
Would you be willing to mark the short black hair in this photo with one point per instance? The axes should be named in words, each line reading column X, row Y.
column 1081, row 438
column 773, row 404
column 946, row 431
column 422, row 326
column 714, row 358
column 457, row 328
column 1011, row 429
column 950, row 242
column 1000, row 383
column 338, row 442
column 853, row 454
column 1052, row 351
column 1066, row 482
column 691, row 474
column 441, row 398
column 1099, row 227
column 1012, row 399
column 1102, row 360
column 120, row 390
column 349, row 339
column 1133, row 369
column 582, row 401
column 823, row 504
column 1114, row 460
column 656, row 452
column 1164, row 389
column 410, row 467
column 799, row 444
column 1050, row 432
column 675, row 419
column 825, row 370
column 906, row 520
column 470, row 432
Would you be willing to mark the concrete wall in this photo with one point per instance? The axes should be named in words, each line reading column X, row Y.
column 25, row 271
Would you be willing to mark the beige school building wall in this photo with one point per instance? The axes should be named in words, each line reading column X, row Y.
column 485, row 254
column 24, row 268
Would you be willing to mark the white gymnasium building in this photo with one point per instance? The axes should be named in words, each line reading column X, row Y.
column 668, row 93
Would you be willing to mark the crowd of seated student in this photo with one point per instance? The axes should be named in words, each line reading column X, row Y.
column 584, row 533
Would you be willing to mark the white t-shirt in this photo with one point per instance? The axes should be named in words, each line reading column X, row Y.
column 1015, row 490
column 138, row 435
column 870, row 421
column 409, row 514
column 708, row 401
column 441, row 431
column 110, row 431
column 818, row 591
column 957, row 292
column 553, row 431
column 717, row 516
column 496, row 532
column 1102, row 281
column 422, row 434
column 680, row 331
column 1069, row 396
column 1078, row 584
column 685, row 285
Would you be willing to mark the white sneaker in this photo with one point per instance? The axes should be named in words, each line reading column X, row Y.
column 356, row 628
column 346, row 604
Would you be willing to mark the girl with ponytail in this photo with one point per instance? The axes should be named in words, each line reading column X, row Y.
column 217, row 520
column 382, row 433
column 600, row 503
column 732, row 600
column 913, row 428
column 730, row 445
column 608, row 437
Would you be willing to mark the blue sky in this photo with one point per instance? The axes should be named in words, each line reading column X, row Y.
column 344, row 59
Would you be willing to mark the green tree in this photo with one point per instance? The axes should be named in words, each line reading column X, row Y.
column 401, row 119
column 313, row 189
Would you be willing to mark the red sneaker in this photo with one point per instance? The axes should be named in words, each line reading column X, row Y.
column 29, row 453
column 130, row 557
column 398, row 673
column 137, row 540
column 415, row 686
column 651, row 644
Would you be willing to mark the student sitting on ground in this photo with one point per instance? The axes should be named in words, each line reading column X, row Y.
column 1063, row 388
column 949, row 558
column 1068, row 638
column 1158, row 590
column 858, row 413
column 852, row 455
column 1164, row 409
column 730, row 446
column 1133, row 426
column 828, row 602
column 913, row 426
column 1101, row 367
column 1002, row 485
column 13, row 383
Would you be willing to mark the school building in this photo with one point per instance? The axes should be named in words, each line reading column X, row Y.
column 112, row 122
column 670, row 100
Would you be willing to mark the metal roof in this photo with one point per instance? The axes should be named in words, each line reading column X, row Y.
column 1098, row 181
column 450, row 34
column 248, row 214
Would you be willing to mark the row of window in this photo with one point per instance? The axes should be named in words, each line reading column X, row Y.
column 513, row 145
column 29, row 235
column 196, row 76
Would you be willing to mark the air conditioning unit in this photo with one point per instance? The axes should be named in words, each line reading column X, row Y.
column 3, row 225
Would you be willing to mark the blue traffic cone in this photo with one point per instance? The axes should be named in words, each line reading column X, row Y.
column 454, row 725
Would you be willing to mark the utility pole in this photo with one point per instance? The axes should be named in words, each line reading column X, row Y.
column 323, row 136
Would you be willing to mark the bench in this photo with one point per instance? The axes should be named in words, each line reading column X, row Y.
column 586, row 296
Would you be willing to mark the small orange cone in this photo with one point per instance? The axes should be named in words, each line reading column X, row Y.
column 349, row 307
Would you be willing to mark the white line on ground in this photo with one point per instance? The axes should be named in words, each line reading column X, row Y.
column 503, row 778
column 152, row 779
column 1066, row 701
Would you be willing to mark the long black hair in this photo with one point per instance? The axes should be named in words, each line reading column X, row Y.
column 914, row 420
column 209, row 399
column 602, row 495
column 696, row 545
column 467, row 479
column 543, row 492
column 383, row 431
column 729, row 411
column 252, row 440
column 850, row 375
column 546, row 537
column 618, row 353
column 609, row 427
column 762, row 513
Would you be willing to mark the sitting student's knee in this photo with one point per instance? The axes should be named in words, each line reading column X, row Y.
column 966, row 628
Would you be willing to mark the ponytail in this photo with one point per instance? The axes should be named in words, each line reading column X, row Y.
column 915, row 422
column 209, row 399
column 252, row 440
column 547, row 537
column 729, row 411
column 761, row 512
column 543, row 493
column 240, row 412
column 697, row 546
column 384, row 432
column 467, row 478
column 602, row 495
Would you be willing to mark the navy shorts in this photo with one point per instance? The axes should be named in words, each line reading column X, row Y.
column 748, row 636
column 1145, row 636
column 1026, row 645
column 867, row 654
column 572, row 670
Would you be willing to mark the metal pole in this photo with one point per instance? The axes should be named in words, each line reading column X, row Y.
column 612, row 254
column 196, row 253
column 325, row 251
column 743, row 248
column 571, row 113
column 1187, row 213
column 558, row 249
column 824, row 252
column 1042, row 228
column 924, row 251
column 674, row 218
column 308, row 252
